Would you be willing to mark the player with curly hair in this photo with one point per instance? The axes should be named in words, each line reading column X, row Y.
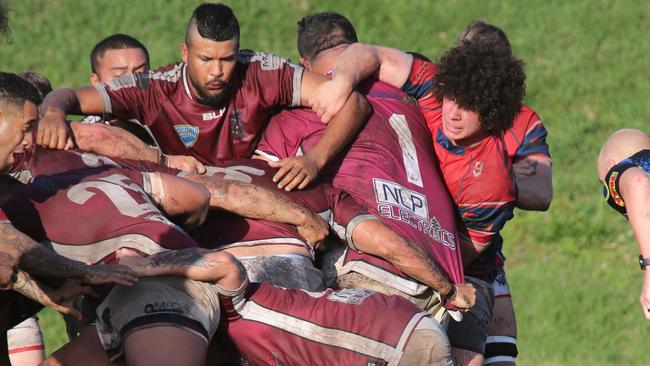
column 491, row 148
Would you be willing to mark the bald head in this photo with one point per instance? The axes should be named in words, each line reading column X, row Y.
column 620, row 145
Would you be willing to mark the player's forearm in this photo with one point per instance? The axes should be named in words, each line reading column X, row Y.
column 113, row 142
column 84, row 100
column 358, row 62
column 374, row 237
column 196, row 264
column 35, row 258
column 251, row 201
column 30, row 288
column 535, row 192
column 341, row 130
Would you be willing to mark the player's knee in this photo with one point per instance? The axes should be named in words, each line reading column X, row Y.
column 500, row 350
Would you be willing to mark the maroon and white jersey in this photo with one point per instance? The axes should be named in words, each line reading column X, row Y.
column 271, row 325
column 389, row 169
column 88, row 214
column 164, row 102
column 223, row 230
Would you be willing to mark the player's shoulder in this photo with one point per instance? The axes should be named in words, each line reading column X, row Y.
column 263, row 60
column 169, row 74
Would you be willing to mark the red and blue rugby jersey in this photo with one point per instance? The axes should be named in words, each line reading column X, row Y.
column 479, row 177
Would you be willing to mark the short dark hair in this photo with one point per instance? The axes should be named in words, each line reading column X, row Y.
column 16, row 90
column 39, row 81
column 482, row 31
column 216, row 22
column 322, row 31
column 116, row 41
column 483, row 78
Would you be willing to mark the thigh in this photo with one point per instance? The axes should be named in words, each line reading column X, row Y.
column 164, row 345
column 85, row 349
column 191, row 306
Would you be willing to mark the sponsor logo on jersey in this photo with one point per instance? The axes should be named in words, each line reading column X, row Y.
column 395, row 194
column 612, row 190
column 213, row 115
column 478, row 169
column 397, row 203
column 163, row 307
column 188, row 134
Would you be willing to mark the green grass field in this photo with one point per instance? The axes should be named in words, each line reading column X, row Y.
column 573, row 269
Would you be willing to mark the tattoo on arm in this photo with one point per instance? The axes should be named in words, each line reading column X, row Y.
column 432, row 276
column 180, row 259
column 29, row 287
column 37, row 259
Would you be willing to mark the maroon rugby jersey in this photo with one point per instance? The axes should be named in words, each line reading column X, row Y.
column 224, row 230
column 271, row 325
column 390, row 169
column 163, row 101
column 87, row 214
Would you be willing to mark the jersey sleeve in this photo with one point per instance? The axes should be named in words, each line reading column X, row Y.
column 611, row 185
column 129, row 97
column 278, row 80
column 420, row 80
column 3, row 217
column 346, row 214
column 527, row 136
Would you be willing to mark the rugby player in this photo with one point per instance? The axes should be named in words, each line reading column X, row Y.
column 271, row 324
column 492, row 151
column 119, row 209
column 624, row 169
column 213, row 105
column 22, row 255
column 388, row 169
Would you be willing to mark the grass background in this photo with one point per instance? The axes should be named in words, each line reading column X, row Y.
column 573, row 269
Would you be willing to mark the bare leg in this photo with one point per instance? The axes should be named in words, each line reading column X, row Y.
column 164, row 345
column 83, row 350
column 501, row 348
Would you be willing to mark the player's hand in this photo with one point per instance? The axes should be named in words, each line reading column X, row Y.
column 314, row 229
column 54, row 132
column 188, row 164
column 465, row 296
column 99, row 274
column 295, row 172
column 60, row 299
column 329, row 98
column 525, row 168
column 645, row 296
column 8, row 271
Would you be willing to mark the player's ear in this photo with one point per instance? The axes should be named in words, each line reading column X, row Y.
column 184, row 51
column 94, row 79
column 305, row 63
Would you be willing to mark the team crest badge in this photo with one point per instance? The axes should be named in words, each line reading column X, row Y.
column 187, row 133
column 478, row 169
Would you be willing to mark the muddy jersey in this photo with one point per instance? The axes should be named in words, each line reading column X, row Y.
column 389, row 169
column 224, row 230
column 611, row 190
column 272, row 325
column 164, row 102
column 479, row 177
column 88, row 214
